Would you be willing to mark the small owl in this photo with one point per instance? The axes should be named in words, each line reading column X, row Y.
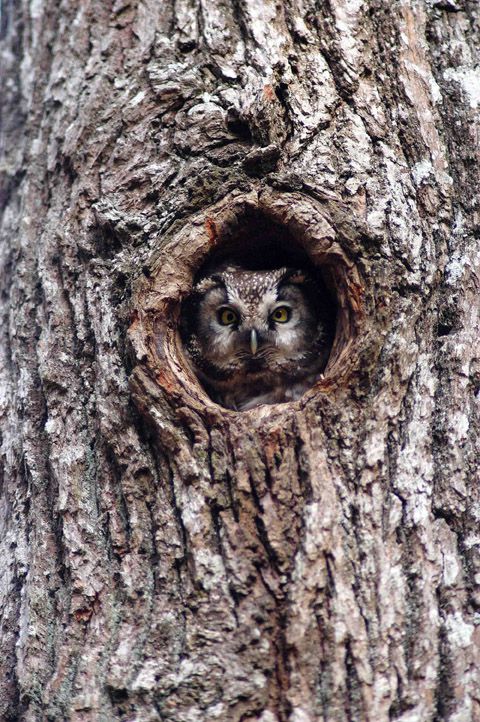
column 256, row 337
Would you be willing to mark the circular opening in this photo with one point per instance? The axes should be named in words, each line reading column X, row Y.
column 260, row 322
column 262, row 231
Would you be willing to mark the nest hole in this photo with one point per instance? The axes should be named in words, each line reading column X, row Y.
column 256, row 243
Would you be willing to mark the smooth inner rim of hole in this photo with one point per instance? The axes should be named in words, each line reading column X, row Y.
column 256, row 242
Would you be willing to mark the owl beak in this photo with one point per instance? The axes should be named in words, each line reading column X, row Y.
column 253, row 341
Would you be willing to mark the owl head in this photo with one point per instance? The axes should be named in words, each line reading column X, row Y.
column 254, row 328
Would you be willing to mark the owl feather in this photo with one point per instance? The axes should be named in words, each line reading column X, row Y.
column 256, row 337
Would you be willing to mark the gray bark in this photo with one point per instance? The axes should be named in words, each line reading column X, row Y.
column 163, row 558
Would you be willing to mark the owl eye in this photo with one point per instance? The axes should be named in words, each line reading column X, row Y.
column 227, row 317
column 281, row 314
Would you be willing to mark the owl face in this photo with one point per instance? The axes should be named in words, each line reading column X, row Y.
column 254, row 327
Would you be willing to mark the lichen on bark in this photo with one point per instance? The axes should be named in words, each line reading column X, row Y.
column 162, row 558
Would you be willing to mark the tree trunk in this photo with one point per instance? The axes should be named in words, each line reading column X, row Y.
column 163, row 558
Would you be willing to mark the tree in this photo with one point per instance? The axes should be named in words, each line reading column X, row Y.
column 164, row 558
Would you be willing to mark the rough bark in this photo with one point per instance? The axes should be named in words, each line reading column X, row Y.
column 163, row 558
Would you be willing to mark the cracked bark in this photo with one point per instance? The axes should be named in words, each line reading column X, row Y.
column 164, row 559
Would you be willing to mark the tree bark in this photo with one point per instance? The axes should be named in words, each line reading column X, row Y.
column 163, row 558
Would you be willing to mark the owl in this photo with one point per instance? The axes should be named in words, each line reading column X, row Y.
column 256, row 337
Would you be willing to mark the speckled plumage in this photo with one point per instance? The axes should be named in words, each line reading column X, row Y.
column 255, row 360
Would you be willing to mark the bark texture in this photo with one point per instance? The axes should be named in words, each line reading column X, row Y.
column 162, row 558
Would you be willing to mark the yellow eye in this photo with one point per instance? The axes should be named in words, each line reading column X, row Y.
column 227, row 317
column 281, row 314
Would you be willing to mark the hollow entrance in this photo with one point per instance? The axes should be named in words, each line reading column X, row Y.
column 274, row 339
column 262, row 230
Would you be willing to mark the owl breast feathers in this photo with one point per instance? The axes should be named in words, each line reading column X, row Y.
column 255, row 337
